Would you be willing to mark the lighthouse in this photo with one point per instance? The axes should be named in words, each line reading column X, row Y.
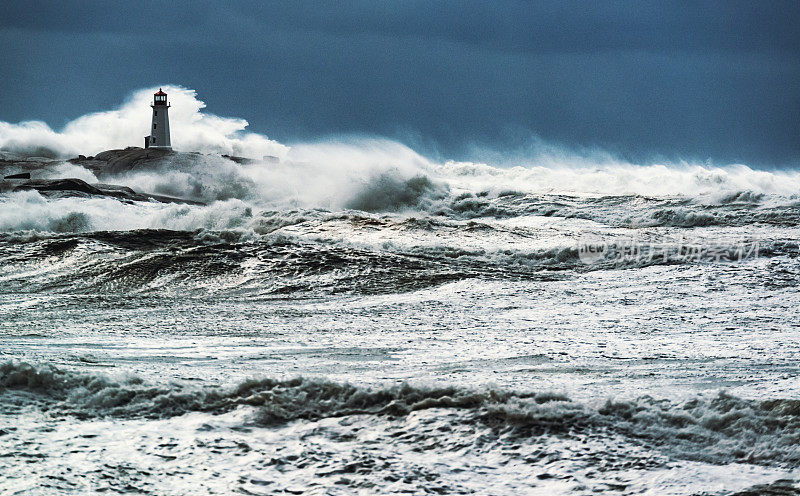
column 159, row 131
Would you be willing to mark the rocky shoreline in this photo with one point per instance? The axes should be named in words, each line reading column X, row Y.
column 72, row 187
column 20, row 172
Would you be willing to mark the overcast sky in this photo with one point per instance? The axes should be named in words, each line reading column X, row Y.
column 646, row 80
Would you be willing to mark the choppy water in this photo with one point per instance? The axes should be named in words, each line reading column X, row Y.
column 426, row 329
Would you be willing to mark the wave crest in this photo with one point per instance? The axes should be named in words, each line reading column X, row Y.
column 717, row 429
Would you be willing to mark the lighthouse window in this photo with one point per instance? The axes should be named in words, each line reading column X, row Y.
column 154, row 125
column 155, row 112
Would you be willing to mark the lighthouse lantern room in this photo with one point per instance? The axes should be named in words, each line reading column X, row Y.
column 159, row 131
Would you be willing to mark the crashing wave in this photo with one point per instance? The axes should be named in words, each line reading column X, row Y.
column 717, row 429
column 300, row 259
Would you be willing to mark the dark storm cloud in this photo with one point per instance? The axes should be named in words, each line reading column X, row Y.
column 688, row 80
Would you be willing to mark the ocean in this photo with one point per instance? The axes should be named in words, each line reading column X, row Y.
column 359, row 319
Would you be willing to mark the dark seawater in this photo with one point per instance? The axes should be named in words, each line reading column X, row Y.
column 426, row 329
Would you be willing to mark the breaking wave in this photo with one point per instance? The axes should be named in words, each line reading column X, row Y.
column 295, row 255
column 717, row 429
column 386, row 193
column 627, row 211
column 573, row 174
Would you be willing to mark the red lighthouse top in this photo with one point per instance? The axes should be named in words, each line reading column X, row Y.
column 160, row 98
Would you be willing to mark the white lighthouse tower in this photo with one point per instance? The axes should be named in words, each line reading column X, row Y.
column 159, row 131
